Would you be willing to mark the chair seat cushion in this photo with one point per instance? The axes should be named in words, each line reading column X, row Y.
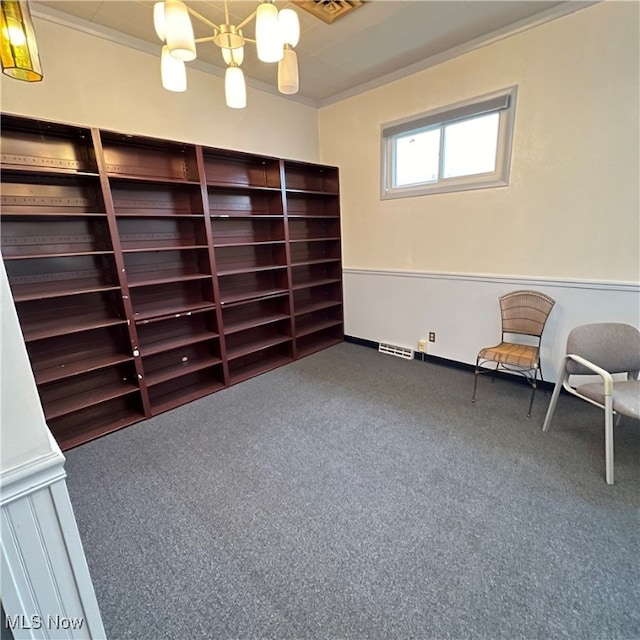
column 518, row 355
column 626, row 396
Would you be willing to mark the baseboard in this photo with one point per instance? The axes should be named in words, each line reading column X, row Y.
column 454, row 364
column 361, row 341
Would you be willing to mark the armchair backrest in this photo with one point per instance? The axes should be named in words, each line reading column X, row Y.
column 614, row 346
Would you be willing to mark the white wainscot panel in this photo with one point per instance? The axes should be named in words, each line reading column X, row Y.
column 47, row 591
column 401, row 307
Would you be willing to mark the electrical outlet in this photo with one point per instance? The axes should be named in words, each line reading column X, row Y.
column 432, row 336
column 422, row 346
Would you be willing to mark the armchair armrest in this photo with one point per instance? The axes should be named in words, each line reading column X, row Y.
column 607, row 378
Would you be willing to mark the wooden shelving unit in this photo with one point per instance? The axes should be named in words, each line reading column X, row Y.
column 148, row 273
column 313, row 210
column 61, row 266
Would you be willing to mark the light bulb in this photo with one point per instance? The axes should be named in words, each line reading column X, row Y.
column 172, row 71
column 268, row 40
column 16, row 35
column 289, row 27
column 288, row 72
column 179, row 31
column 235, row 90
column 158, row 20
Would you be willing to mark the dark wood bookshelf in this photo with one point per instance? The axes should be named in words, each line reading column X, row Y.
column 318, row 320
column 255, row 363
column 235, row 232
column 241, row 170
column 94, row 421
column 33, row 146
column 148, row 273
column 67, row 396
column 311, row 178
column 312, row 205
column 159, row 335
column 253, row 341
column 308, row 307
column 318, row 341
column 186, row 388
column 158, row 307
column 79, row 367
column 79, row 354
column 67, row 315
column 136, row 234
column 45, row 291
column 242, row 316
column 148, row 160
column 171, row 371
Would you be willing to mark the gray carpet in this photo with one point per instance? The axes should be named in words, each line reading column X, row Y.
column 354, row 495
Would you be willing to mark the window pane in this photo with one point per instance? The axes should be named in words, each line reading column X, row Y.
column 470, row 146
column 417, row 157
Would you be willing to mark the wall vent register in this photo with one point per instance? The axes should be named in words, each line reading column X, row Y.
column 395, row 350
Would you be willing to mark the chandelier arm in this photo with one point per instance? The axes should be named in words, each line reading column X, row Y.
column 207, row 39
column 246, row 21
column 202, row 19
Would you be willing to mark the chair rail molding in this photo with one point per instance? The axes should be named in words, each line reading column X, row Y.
column 609, row 285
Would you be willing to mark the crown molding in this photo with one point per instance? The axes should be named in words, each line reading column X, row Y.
column 558, row 11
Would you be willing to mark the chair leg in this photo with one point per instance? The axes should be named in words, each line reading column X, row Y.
column 534, row 384
column 475, row 381
column 554, row 402
column 608, row 438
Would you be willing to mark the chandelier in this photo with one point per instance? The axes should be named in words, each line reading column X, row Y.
column 277, row 33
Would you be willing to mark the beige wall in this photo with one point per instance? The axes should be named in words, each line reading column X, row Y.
column 571, row 209
column 104, row 84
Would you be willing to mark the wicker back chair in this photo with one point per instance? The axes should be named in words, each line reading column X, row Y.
column 524, row 313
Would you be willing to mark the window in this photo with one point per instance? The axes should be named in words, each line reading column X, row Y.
column 463, row 146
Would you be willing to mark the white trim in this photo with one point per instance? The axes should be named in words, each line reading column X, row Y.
column 34, row 474
column 608, row 285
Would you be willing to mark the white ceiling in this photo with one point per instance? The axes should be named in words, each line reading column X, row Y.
column 378, row 42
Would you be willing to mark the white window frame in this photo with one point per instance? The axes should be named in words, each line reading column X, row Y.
column 502, row 102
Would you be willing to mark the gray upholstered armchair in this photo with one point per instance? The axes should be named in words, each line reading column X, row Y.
column 602, row 349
